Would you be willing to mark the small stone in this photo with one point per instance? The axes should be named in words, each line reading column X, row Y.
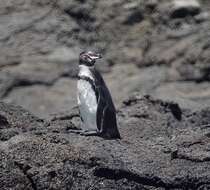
column 202, row 17
column 182, row 8
column 152, row 4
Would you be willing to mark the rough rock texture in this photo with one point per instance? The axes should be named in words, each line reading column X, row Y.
column 162, row 147
column 148, row 46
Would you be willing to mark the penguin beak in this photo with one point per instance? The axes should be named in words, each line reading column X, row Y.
column 95, row 56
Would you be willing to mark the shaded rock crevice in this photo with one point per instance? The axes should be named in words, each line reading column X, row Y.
column 24, row 170
column 148, row 180
column 3, row 122
column 21, row 83
column 117, row 174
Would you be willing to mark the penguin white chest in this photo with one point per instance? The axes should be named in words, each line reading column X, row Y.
column 87, row 104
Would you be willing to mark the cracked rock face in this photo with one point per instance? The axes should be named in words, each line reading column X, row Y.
column 162, row 147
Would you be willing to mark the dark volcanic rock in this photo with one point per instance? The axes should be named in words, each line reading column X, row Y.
column 162, row 147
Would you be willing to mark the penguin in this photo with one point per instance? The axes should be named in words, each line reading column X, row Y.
column 97, row 110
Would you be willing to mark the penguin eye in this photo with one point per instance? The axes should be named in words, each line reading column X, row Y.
column 87, row 58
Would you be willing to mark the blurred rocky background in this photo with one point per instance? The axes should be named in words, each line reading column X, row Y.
column 156, row 47
column 156, row 64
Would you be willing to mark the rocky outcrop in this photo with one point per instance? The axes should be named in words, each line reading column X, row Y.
column 178, row 42
column 162, row 147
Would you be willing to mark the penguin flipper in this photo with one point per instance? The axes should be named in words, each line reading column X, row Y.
column 100, row 113
column 106, row 117
column 109, row 124
column 106, row 113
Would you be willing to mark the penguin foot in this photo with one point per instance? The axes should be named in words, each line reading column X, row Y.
column 75, row 131
column 84, row 132
column 89, row 133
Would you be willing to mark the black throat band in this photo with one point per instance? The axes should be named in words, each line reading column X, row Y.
column 91, row 82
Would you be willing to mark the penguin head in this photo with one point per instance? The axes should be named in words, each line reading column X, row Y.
column 88, row 58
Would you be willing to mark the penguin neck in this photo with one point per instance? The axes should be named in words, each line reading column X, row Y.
column 86, row 71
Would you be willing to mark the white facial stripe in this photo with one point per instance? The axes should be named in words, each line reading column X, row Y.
column 93, row 57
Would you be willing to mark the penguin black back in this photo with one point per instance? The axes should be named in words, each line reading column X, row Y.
column 106, row 112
